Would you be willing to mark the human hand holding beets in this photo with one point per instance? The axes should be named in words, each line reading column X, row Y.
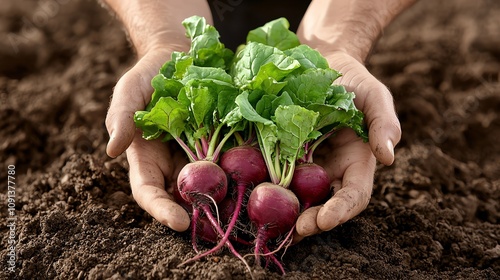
column 153, row 165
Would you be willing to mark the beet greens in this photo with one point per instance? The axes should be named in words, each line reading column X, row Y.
column 274, row 90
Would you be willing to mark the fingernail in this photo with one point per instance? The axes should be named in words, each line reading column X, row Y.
column 390, row 147
column 111, row 138
column 109, row 145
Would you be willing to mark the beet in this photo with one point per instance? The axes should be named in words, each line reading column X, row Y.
column 311, row 184
column 246, row 167
column 201, row 181
column 274, row 211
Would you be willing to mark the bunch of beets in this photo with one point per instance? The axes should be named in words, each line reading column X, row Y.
column 249, row 121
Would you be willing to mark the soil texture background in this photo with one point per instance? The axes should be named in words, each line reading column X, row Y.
column 434, row 213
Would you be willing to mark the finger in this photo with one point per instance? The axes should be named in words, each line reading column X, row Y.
column 352, row 199
column 296, row 238
column 306, row 223
column 149, row 161
column 375, row 100
column 131, row 93
column 383, row 125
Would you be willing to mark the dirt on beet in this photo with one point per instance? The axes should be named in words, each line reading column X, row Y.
column 434, row 213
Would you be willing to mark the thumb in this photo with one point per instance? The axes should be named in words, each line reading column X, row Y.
column 132, row 93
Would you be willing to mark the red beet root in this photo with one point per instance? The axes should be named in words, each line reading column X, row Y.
column 201, row 181
column 246, row 167
column 311, row 184
column 274, row 211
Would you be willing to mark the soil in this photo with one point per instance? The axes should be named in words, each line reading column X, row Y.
column 434, row 213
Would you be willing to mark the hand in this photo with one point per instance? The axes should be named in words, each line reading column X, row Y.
column 350, row 162
column 152, row 163
column 155, row 30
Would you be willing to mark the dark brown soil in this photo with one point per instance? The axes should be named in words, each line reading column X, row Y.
column 434, row 214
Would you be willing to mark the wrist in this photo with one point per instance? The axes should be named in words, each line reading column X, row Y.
column 349, row 26
column 157, row 25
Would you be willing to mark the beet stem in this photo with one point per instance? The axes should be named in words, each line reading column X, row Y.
column 213, row 142
column 310, row 150
column 239, row 139
column 199, row 150
column 216, row 153
column 204, row 145
column 189, row 153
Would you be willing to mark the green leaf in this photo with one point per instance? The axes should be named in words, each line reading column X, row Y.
column 218, row 94
column 209, row 39
column 167, row 115
column 182, row 98
column 206, row 73
column 181, row 62
column 265, row 106
column 311, row 86
column 307, row 57
column 269, row 135
column 255, row 95
column 268, row 138
column 257, row 62
column 276, row 34
column 268, row 76
column 226, row 100
column 203, row 103
column 284, row 99
column 149, row 131
column 163, row 87
column 335, row 117
column 218, row 56
column 206, row 48
column 357, row 124
column 295, row 124
column 268, row 103
column 269, row 85
column 248, row 112
column 168, row 69
column 195, row 26
column 341, row 99
column 336, row 89
column 330, row 115
column 233, row 117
